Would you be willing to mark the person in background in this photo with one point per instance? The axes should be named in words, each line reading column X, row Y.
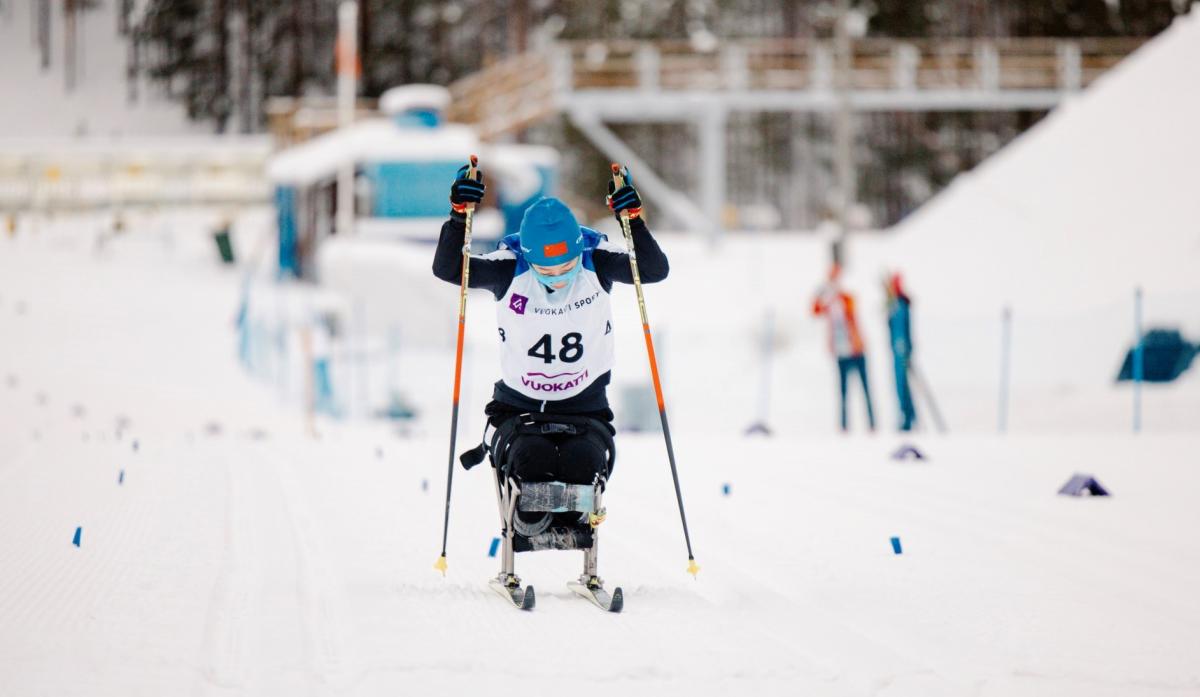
column 845, row 341
column 900, row 328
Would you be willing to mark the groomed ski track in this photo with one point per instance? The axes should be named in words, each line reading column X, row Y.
column 241, row 556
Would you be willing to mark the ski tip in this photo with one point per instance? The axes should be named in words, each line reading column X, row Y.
column 693, row 567
column 440, row 564
column 529, row 599
column 618, row 600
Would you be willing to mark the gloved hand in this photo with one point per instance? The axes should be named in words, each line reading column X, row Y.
column 466, row 191
column 626, row 198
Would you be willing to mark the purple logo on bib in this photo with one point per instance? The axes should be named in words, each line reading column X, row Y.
column 517, row 304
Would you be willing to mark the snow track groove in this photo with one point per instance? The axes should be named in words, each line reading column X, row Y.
column 230, row 634
column 321, row 592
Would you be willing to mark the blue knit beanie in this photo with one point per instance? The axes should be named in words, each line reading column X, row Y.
column 550, row 235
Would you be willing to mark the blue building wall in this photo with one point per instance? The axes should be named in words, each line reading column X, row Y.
column 411, row 189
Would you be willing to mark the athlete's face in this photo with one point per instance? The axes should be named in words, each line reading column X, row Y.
column 556, row 270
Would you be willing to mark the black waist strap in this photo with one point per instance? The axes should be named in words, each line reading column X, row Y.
column 537, row 423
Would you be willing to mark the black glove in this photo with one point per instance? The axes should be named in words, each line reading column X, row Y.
column 466, row 191
column 626, row 198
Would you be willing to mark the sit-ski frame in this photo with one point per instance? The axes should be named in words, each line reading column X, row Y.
column 589, row 585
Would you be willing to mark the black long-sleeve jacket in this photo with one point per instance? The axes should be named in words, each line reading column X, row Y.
column 495, row 273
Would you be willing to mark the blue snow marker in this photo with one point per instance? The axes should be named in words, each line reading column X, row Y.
column 121, row 478
column 78, row 536
column 424, row 485
column 135, row 445
column 896, row 546
column 725, row 489
column 495, row 547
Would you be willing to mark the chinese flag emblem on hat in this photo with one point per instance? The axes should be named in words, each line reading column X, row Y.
column 554, row 250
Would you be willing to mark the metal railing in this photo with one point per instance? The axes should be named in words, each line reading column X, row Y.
column 516, row 92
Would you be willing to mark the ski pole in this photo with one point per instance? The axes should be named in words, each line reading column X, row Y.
column 1005, row 359
column 440, row 565
column 618, row 182
column 919, row 381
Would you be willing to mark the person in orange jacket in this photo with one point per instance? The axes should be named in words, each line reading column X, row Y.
column 845, row 341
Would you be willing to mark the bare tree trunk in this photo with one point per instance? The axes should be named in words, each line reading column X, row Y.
column 441, row 49
column 367, row 85
column 43, row 31
column 220, row 95
column 132, row 70
column 518, row 26
column 792, row 18
column 247, row 69
column 69, row 36
column 404, row 12
column 296, row 72
column 123, row 17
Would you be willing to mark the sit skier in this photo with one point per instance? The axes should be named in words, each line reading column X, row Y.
column 551, row 282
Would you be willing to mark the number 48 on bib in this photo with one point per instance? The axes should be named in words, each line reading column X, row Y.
column 570, row 351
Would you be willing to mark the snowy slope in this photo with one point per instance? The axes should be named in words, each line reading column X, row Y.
column 240, row 556
column 1094, row 200
column 1061, row 226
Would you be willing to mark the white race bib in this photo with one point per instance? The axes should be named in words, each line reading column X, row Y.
column 553, row 345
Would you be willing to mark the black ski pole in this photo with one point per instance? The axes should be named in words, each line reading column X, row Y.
column 618, row 182
column 923, row 385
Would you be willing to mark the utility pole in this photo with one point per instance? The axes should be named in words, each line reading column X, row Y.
column 843, row 124
column 43, row 31
column 347, row 65
column 70, row 37
column 246, row 69
column 518, row 26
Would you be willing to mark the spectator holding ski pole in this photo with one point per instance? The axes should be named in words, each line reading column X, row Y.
column 845, row 341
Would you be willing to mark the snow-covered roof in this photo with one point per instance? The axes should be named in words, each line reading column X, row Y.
column 540, row 155
column 398, row 100
column 374, row 140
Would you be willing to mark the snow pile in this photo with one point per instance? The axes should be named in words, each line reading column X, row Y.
column 398, row 100
column 371, row 140
column 1098, row 198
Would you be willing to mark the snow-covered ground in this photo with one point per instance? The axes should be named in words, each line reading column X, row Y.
column 224, row 551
